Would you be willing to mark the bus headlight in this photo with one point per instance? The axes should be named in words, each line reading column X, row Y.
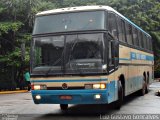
column 104, row 67
column 95, row 86
column 99, row 86
column 39, row 87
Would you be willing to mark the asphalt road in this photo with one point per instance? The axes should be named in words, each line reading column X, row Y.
column 20, row 106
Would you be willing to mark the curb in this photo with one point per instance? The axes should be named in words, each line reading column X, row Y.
column 12, row 92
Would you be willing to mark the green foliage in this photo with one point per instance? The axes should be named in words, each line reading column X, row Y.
column 5, row 27
column 17, row 18
column 12, row 58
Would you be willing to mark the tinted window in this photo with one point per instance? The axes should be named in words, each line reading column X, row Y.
column 121, row 29
column 141, row 39
column 145, row 41
column 135, row 36
column 148, row 43
column 151, row 48
column 129, row 33
column 112, row 26
column 69, row 22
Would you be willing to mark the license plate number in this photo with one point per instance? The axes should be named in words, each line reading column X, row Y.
column 65, row 97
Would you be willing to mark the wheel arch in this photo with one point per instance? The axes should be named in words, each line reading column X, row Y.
column 122, row 79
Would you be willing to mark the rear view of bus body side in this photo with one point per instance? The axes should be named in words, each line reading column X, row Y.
column 95, row 60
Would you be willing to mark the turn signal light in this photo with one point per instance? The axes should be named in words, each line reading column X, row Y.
column 95, row 86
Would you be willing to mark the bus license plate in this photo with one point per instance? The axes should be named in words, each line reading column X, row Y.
column 65, row 97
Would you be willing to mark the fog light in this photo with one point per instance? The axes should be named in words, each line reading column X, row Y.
column 38, row 97
column 97, row 96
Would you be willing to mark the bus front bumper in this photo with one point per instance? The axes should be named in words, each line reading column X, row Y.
column 77, row 96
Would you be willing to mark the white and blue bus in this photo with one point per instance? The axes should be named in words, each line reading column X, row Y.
column 88, row 55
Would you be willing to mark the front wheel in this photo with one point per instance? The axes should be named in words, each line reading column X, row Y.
column 64, row 106
column 119, row 102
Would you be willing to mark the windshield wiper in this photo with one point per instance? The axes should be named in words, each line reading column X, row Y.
column 50, row 62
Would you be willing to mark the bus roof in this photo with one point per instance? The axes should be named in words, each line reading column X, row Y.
column 87, row 8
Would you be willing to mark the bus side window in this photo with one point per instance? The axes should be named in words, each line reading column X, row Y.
column 129, row 33
column 145, row 41
column 123, row 30
column 112, row 26
column 121, row 34
column 150, row 43
column 139, row 38
column 135, row 37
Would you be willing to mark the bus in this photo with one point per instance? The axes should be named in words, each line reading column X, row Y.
column 88, row 55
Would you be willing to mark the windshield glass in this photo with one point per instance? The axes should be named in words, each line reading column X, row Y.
column 69, row 54
column 63, row 22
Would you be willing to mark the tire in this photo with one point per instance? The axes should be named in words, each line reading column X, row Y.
column 146, row 90
column 64, row 107
column 143, row 90
column 147, row 85
column 119, row 102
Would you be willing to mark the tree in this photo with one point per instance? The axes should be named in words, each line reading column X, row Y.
column 16, row 23
column 17, row 19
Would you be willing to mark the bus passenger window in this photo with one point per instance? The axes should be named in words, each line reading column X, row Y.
column 145, row 41
column 139, row 38
column 129, row 33
column 112, row 26
column 148, row 43
column 135, row 37
column 121, row 29
column 151, row 45
column 142, row 42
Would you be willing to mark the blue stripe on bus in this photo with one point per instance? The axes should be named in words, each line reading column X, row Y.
column 124, row 59
column 83, row 80
column 137, row 56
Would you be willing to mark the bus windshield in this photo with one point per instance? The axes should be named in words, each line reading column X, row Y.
column 69, row 54
column 76, row 21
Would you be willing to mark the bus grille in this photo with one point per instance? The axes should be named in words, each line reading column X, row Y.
column 69, row 88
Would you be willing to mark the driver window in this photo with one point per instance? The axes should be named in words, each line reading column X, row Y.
column 110, row 52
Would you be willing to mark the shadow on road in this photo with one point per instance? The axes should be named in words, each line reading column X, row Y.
column 86, row 111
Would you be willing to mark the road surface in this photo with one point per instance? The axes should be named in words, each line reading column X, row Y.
column 20, row 106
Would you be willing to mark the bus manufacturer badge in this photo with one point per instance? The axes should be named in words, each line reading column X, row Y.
column 64, row 86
